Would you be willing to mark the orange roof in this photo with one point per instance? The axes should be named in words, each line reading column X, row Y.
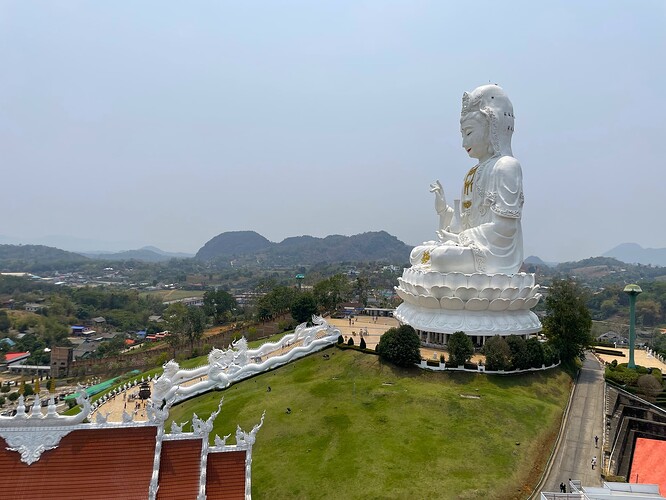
column 91, row 464
column 11, row 356
column 647, row 464
column 225, row 475
column 179, row 469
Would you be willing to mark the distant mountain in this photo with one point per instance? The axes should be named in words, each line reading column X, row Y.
column 37, row 258
column 176, row 255
column 633, row 253
column 145, row 254
column 533, row 259
column 233, row 244
column 249, row 246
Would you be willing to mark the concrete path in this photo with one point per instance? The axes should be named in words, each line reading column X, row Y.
column 576, row 448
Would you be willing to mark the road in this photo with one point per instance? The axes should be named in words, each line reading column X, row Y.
column 585, row 420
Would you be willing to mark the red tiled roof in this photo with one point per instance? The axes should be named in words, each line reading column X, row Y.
column 225, row 475
column 179, row 469
column 87, row 464
column 647, row 465
column 11, row 356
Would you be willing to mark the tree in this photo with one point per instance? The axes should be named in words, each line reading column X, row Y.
column 460, row 349
column 534, row 353
column 568, row 322
column 350, row 341
column 304, row 307
column 331, row 292
column 649, row 386
column 219, row 304
column 498, row 353
column 519, row 358
column 174, row 319
column 4, row 321
column 400, row 346
column 195, row 323
column 362, row 344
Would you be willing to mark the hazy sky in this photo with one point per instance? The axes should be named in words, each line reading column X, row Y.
column 167, row 123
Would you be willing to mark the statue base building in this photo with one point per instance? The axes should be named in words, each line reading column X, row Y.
column 481, row 305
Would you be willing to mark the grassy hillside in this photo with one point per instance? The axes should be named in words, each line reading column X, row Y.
column 359, row 428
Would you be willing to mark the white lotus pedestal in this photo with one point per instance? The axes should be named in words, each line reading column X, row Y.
column 481, row 305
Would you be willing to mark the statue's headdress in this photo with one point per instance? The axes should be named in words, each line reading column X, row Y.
column 492, row 102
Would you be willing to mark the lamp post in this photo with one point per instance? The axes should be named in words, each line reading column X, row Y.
column 632, row 291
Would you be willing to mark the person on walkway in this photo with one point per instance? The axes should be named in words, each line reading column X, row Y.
column 594, row 462
column 596, row 441
column 563, row 488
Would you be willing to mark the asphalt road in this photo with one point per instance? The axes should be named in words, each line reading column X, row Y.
column 585, row 420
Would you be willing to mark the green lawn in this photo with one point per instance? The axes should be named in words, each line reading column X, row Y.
column 363, row 429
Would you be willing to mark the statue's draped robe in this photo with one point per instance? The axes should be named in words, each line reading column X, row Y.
column 494, row 201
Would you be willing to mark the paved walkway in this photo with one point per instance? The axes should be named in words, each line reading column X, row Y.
column 576, row 448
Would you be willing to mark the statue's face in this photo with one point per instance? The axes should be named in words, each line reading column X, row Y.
column 475, row 135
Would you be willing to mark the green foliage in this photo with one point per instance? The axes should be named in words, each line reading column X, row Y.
column 362, row 344
column 219, row 305
column 13, row 396
column 303, row 307
column 519, row 358
column 622, row 375
column 534, row 353
column 350, row 341
column 331, row 291
column 276, row 302
column 4, row 321
column 498, row 354
column 4, row 388
column 568, row 322
column 28, row 390
column 341, row 339
column 461, row 349
column 400, row 346
column 2, row 401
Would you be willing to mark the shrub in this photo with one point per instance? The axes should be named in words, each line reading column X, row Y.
column 28, row 390
column 498, row 353
column 460, row 348
column 534, row 353
column 519, row 357
column 620, row 374
column 362, row 344
column 4, row 389
column 649, row 387
column 400, row 346
column 341, row 339
column 13, row 396
column 350, row 341
column 2, row 401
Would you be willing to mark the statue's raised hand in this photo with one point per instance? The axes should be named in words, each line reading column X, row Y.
column 440, row 199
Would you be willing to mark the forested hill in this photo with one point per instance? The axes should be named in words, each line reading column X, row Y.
column 246, row 246
column 37, row 258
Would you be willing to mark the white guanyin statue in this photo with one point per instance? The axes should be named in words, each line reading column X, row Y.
column 469, row 278
column 489, row 237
